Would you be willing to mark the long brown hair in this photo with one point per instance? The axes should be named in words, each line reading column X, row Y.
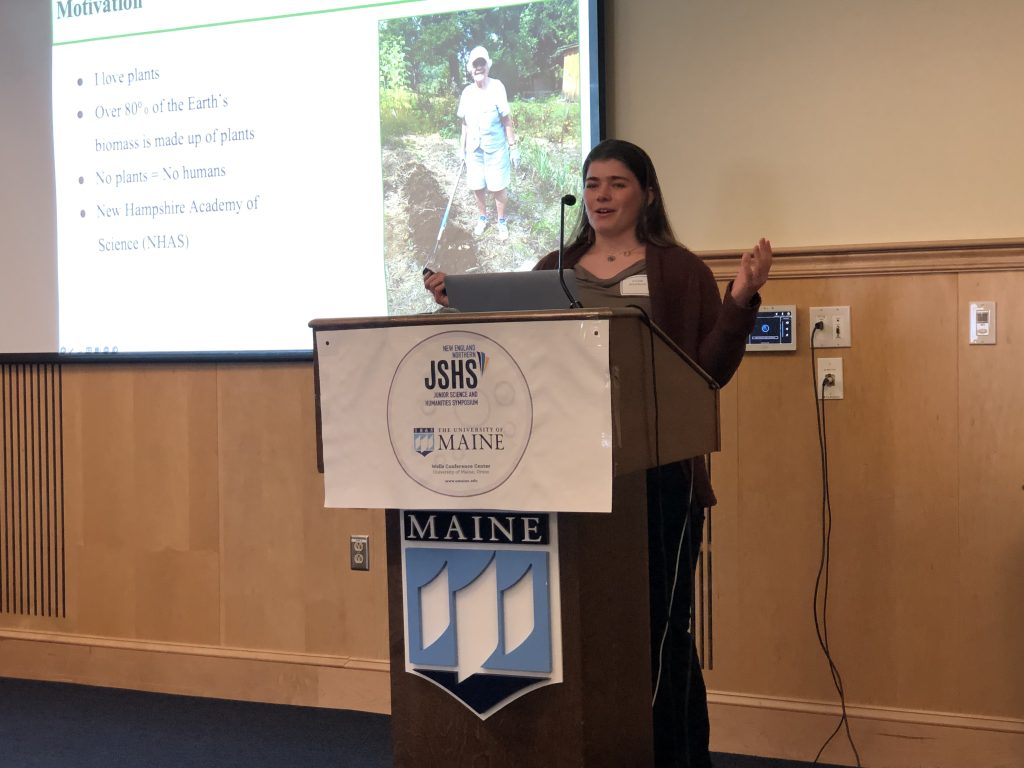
column 652, row 226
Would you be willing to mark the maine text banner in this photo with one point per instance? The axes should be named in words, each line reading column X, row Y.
column 510, row 415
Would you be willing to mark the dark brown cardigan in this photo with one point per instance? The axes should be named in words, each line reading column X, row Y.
column 686, row 305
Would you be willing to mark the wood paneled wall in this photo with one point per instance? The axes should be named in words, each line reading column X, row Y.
column 926, row 476
column 200, row 559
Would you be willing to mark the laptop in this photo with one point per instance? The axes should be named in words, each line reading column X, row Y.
column 509, row 291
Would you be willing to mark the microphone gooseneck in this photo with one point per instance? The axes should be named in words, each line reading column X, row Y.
column 567, row 200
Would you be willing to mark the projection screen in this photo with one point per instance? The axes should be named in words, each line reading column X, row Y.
column 222, row 172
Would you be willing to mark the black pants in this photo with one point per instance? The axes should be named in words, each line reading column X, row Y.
column 681, row 729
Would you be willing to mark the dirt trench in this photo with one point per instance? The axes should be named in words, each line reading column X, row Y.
column 452, row 250
column 418, row 175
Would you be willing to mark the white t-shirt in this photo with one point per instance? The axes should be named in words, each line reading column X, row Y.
column 482, row 109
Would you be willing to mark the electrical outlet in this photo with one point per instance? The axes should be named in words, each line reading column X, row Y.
column 835, row 331
column 359, row 553
column 830, row 367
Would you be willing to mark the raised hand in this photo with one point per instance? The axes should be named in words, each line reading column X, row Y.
column 753, row 272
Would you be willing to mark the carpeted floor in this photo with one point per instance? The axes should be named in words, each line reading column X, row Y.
column 58, row 725
column 54, row 725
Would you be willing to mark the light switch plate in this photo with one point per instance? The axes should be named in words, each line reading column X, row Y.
column 982, row 322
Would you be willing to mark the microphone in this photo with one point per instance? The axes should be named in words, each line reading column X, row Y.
column 567, row 200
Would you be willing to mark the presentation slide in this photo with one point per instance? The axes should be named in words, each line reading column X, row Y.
column 227, row 171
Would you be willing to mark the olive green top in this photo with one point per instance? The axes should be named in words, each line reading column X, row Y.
column 607, row 292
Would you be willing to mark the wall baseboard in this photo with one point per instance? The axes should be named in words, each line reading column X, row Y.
column 228, row 673
column 885, row 737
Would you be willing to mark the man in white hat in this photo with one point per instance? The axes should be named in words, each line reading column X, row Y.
column 488, row 141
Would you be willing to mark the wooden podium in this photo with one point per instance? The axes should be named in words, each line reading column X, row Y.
column 664, row 409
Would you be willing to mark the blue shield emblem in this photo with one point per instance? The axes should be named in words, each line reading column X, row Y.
column 423, row 440
column 480, row 619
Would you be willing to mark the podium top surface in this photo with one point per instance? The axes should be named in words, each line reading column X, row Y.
column 455, row 317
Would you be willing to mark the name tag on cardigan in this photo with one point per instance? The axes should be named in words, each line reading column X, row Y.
column 636, row 285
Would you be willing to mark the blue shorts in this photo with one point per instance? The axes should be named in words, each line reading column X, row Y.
column 490, row 170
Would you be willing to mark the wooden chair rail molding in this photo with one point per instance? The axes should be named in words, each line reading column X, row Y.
column 882, row 259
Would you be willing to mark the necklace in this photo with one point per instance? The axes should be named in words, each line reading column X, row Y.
column 622, row 254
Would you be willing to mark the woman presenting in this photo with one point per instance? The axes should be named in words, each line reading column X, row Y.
column 623, row 253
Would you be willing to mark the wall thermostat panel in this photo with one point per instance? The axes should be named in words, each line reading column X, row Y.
column 774, row 329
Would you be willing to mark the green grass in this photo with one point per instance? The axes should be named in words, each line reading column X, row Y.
column 403, row 112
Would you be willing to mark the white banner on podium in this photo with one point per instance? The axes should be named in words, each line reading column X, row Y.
column 484, row 416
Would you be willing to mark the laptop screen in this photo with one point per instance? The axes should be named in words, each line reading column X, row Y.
column 509, row 291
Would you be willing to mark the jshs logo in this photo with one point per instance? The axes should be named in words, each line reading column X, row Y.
column 462, row 370
column 460, row 414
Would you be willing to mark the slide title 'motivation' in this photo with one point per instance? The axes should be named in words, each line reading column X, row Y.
column 74, row 10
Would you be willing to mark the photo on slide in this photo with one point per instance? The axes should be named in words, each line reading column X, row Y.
column 431, row 211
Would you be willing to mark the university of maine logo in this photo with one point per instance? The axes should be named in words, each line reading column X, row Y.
column 423, row 440
column 482, row 615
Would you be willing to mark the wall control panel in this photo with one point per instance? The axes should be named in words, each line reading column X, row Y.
column 774, row 329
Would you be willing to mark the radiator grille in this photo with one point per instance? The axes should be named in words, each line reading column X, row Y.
column 32, row 558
